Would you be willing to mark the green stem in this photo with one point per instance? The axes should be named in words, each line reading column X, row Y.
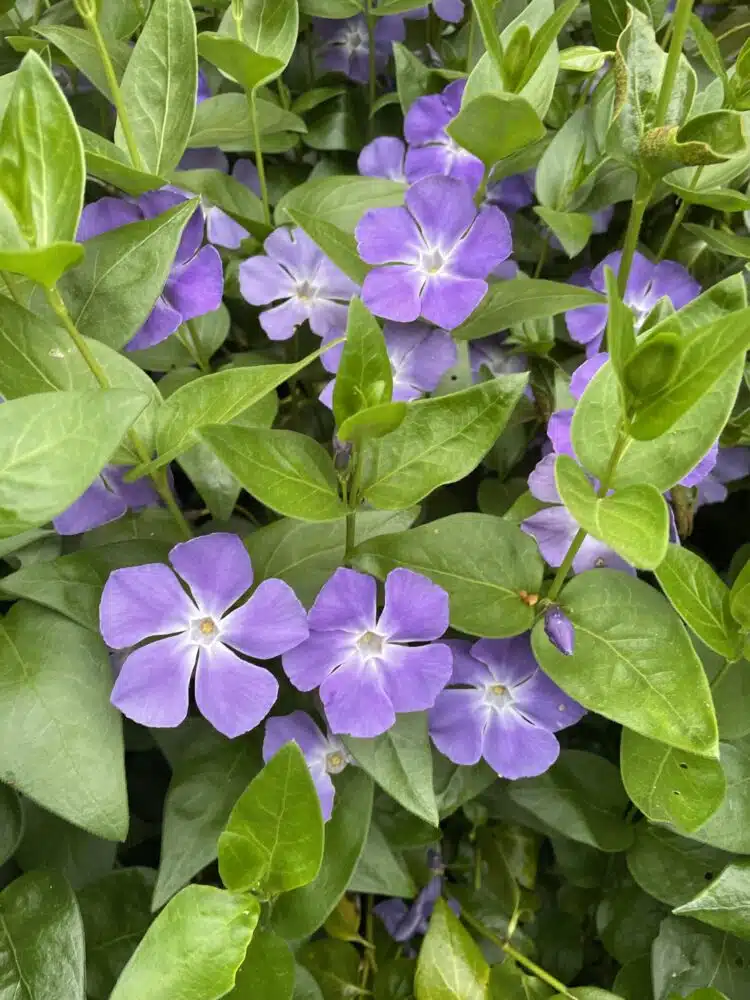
column 472, row 32
column 259, row 157
column 372, row 72
column 353, row 503
column 159, row 477
column 732, row 31
column 644, row 190
column 542, row 257
column 680, row 22
column 724, row 670
column 678, row 218
column 194, row 346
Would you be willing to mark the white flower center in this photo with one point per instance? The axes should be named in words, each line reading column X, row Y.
column 370, row 645
column 336, row 762
column 204, row 631
column 497, row 696
column 305, row 291
column 431, row 261
column 355, row 41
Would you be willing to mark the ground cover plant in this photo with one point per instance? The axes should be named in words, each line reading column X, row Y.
column 374, row 546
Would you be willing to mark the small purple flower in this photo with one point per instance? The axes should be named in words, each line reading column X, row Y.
column 731, row 464
column 500, row 706
column 345, row 45
column 437, row 252
column 559, row 630
column 141, row 602
column 383, row 157
column 221, row 228
column 404, row 922
column 107, row 499
column 431, row 150
column 296, row 270
column 647, row 284
column 513, row 193
column 361, row 662
column 324, row 755
column 196, row 281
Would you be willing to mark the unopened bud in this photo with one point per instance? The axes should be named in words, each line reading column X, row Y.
column 559, row 630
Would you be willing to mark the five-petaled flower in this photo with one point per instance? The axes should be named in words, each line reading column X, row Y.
column 143, row 602
column 345, row 44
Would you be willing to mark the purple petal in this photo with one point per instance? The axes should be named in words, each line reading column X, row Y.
column 217, row 569
column 732, row 464
column 389, row 29
column 419, row 356
column 449, row 10
column 157, row 202
column 332, row 358
column 246, row 173
column 136, row 495
column 308, row 664
column 559, row 630
column 152, row 686
column 206, row 158
column 444, row 209
column 416, row 609
column 703, row 468
column 325, row 789
column 674, row 281
column 426, row 119
column 466, row 668
column 394, row 292
column 542, row 702
column 388, row 235
column 457, row 723
column 196, row 287
column 97, row 506
column 447, row 300
column 542, row 481
column 559, row 432
column 487, row 244
column 272, row 622
column 584, row 373
column 224, row 231
column 510, row 661
column 104, row 215
column 586, row 325
column 554, row 530
column 346, row 602
column 355, row 700
column 326, row 394
column 162, row 321
column 263, row 280
column 142, row 601
column 297, row 728
column 383, row 157
column 392, row 913
column 328, row 319
column 281, row 322
column 332, row 283
column 295, row 251
column 413, row 676
column 516, row 748
column 511, row 194
column 594, row 554
column 234, row 695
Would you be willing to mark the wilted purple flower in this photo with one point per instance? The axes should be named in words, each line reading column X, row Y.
column 492, row 353
column 140, row 602
column 437, row 252
column 431, row 150
column 221, row 228
column 324, row 755
column 647, row 284
column 196, row 281
column 365, row 671
column 502, row 707
column 383, row 157
column 345, row 45
column 559, row 629
column 513, row 193
column 296, row 269
column 108, row 498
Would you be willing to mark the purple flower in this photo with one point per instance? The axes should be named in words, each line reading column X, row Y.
column 451, row 11
column 437, row 252
column 345, row 46
column 647, row 283
column 204, row 90
column 296, row 270
column 431, row 150
column 365, row 671
column 204, row 158
column 730, row 464
column 500, row 706
column 383, row 157
column 141, row 602
column 325, row 755
column 196, row 281
column 559, row 630
column 513, row 193
column 221, row 228
column 108, row 498
column 403, row 921
column 493, row 354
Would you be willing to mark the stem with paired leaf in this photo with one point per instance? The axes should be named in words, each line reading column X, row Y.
column 680, row 22
column 238, row 15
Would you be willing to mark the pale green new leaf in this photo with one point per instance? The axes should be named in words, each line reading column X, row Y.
column 450, row 965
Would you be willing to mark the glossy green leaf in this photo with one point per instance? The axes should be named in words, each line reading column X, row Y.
column 729, row 827
column 225, row 121
column 414, row 79
column 686, row 956
column 237, row 60
column 334, row 966
column 725, row 903
column 11, row 822
column 373, row 422
column 268, row 29
column 670, row 868
column 608, row 19
column 364, row 377
column 483, row 562
column 274, row 837
column 572, row 229
column 380, row 870
column 45, row 265
column 508, row 982
column 493, row 126
column 79, row 46
column 721, row 241
column 52, row 843
column 268, row 969
column 450, row 965
column 193, row 949
column 638, row 669
column 722, row 200
column 340, row 201
column 109, row 164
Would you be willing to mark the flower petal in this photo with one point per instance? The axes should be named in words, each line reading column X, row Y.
column 104, row 215
column 272, row 622
column 223, row 231
column 416, row 609
column 448, row 300
column 152, row 686
column 162, row 321
column 281, row 322
column 413, row 676
column 355, row 701
column 466, row 668
column 394, row 292
column 510, row 661
column 457, row 723
column 388, row 236
column 542, row 702
column 587, row 323
column 383, row 157
column 444, row 208
column 542, row 483
column 234, row 695
column 346, row 602
column 97, row 506
column 516, row 748
column 486, row 245
column 263, row 280
column 308, row 664
column 584, row 373
column 426, row 119
column 295, row 251
column 594, row 554
column 328, row 319
column 217, row 569
column 559, row 431
column 554, row 530
column 297, row 728
column 196, row 287
column 142, row 601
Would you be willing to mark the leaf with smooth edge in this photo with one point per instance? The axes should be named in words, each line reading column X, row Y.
column 669, row 785
column 686, row 955
column 440, row 441
column 340, row 201
column 493, row 126
column 339, row 245
column 573, row 229
column 268, row 29
column 41, row 939
column 45, row 265
column 11, row 822
column 729, row 827
column 237, row 60
column 722, row 242
column 364, row 377
column 373, row 422
column 274, row 838
column 268, row 969
column 633, row 661
column 522, row 299
column 701, row 598
column 225, row 121
column 79, row 46
column 739, row 597
column 380, row 870
column 161, row 114
column 108, row 163
column 725, row 903
column 483, row 562
column 719, row 199
column 193, row 949
column 288, row 472
column 634, row 521
column 299, row 913
column 450, row 965
column 400, row 761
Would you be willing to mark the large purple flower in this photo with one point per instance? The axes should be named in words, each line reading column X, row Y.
column 361, row 662
column 500, row 706
column 108, row 498
column 345, row 46
column 196, row 281
column 432, row 256
column 324, row 755
column 431, row 150
column 296, row 270
column 141, row 602
column 647, row 284
column 383, row 157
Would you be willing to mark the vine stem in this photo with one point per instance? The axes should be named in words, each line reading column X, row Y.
column 678, row 218
column 159, row 476
column 353, row 502
column 472, row 32
column 237, row 14
column 644, row 190
column 680, row 22
column 372, row 72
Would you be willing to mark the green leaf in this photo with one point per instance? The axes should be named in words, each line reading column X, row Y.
column 545, row 38
column 373, row 422
column 44, row 265
column 340, row 201
column 268, row 969
column 400, row 761
column 739, row 598
column 722, row 200
column 671, row 868
column 228, row 194
column 414, row 79
column 701, row 598
column 51, row 843
column 450, row 965
column 268, row 29
column 669, row 785
column 493, row 126
column 193, row 949
column 572, row 229
column 650, row 369
column 582, row 797
column 638, row 669
column 634, row 521
column 710, row 138
column 729, row 827
column 608, row 19
column 41, row 943
column 507, row 982
column 274, row 837
column 520, row 300
column 380, row 870
column 364, row 376
column 725, row 903
column 237, row 60
column 116, row 914
column 11, row 823
column 299, row 913
column 335, row 967
column 440, row 441
column 161, row 114
column 686, row 956
column 288, row 472
column 621, row 342
column 109, row 164
column 483, row 562
column 50, row 454
column 79, row 46
column 722, row 242
column 225, row 121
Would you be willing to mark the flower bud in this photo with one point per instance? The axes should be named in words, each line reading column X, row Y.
column 559, row 630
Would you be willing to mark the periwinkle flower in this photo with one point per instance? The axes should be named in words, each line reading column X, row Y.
column 362, row 663
column 432, row 256
column 221, row 228
column 431, row 151
column 296, row 270
column 501, row 707
column 106, row 500
column 647, row 284
column 559, row 629
column 403, row 921
column 383, row 157
column 730, row 465
column 513, row 193
column 493, row 354
column 345, row 45
column 196, row 280
column 149, row 601
column 324, row 755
